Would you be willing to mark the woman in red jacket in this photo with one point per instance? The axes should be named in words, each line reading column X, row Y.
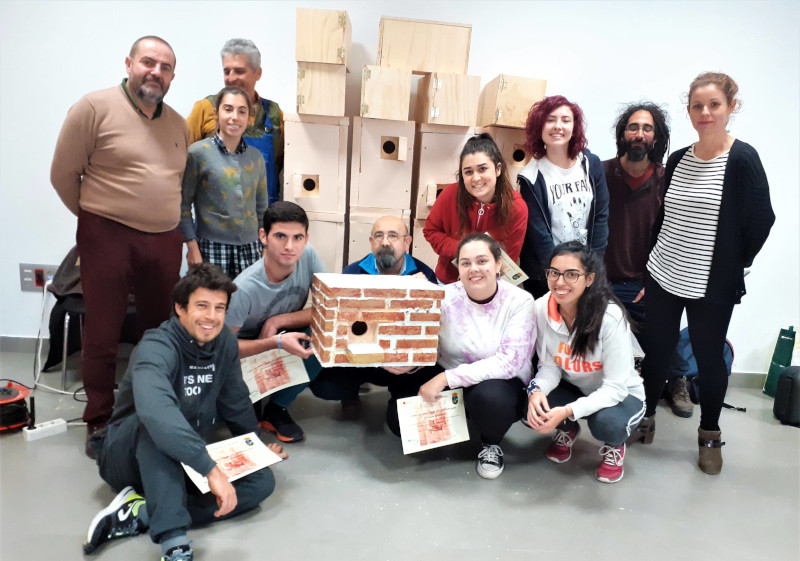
column 482, row 201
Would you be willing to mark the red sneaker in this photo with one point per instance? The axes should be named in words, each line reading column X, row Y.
column 610, row 469
column 560, row 450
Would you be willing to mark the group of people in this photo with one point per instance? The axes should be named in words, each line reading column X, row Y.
column 593, row 237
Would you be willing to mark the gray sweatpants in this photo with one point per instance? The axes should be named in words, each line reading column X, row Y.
column 129, row 457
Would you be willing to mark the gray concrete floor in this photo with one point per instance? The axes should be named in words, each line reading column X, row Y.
column 347, row 492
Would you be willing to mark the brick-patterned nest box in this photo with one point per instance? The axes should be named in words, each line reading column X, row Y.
column 372, row 320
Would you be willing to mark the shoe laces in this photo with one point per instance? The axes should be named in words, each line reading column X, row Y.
column 491, row 454
column 564, row 438
column 612, row 455
column 681, row 392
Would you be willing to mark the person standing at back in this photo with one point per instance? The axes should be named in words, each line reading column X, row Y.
column 636, row 188
column 717, row 215
column 241, row 67
column 118, row 166
column 563, row 186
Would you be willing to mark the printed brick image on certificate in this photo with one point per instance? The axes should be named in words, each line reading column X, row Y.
column 270, row 371
column 430, row 425
column 235, row 457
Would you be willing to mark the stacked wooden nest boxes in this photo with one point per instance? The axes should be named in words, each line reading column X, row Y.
column 315, row 161
column 503, row 111
column 445, row 110
column 370, row 320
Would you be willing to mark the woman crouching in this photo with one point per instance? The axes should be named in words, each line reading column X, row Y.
column 485, row 346
column 585, row 362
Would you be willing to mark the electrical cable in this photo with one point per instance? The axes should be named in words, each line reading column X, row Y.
column 37, row 357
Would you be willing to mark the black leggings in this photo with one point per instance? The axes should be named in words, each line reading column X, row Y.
column 708, row 326
column 492, row 405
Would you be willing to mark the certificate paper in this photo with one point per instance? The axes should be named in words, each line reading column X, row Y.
column 430, row 425
column 270, row 371
column 235, row 457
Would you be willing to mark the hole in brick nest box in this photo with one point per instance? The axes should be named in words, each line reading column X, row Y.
column 389, row 147
column 358, row 328
column 309, row 184
column 519, row 155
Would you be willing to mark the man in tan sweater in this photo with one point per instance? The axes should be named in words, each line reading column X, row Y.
column 118, row 166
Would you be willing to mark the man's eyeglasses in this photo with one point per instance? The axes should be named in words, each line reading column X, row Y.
column 391, row 236
column 570, row 275
column 634, row 128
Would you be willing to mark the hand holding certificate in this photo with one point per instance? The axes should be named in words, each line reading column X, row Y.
column 235, row 458
column 426, row 425
column 270, row 371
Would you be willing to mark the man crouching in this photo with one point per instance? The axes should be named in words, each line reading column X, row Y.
column 180, row 378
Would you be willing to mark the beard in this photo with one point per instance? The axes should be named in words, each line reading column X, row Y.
column 638, row 152
column 147, row 95
column 385, row 259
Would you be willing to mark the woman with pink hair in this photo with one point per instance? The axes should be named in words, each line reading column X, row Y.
column 564, row 187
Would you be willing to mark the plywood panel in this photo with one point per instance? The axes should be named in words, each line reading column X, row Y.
column 382, row 163
column 420, row 248
column 326, row 234
column 507, row 100
column 436, row 162
column 315, row 162
column 323, row 36
column 321, row 88
column 424, row 46
column 385, row 93
column 448, row 99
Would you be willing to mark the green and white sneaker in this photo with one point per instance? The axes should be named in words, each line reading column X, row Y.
column 120, row 519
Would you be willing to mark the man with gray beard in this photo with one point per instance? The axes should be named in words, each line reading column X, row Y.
column 390, row 242
column 118, row 166
column 636, row 188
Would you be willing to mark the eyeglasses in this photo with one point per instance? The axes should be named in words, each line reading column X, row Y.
column 634, row 128
column 391, row 236
column 570, row 275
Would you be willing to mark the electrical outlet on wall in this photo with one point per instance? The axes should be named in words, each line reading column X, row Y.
column 32, row 278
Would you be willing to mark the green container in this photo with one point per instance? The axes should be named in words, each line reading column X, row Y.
column 781, row 358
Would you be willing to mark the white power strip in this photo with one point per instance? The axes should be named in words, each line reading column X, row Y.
column 42, row 430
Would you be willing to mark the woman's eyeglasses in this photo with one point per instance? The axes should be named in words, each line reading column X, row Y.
column 570, row 275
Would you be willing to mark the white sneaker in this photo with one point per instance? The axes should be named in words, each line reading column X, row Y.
column 490, row 461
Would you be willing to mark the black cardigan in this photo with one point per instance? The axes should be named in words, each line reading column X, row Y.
column 745, row 219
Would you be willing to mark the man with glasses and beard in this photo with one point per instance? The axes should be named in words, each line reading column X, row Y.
column 118, row 165
column 636, row 189
column 390, row 242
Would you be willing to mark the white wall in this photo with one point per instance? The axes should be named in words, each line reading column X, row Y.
column 596, row 53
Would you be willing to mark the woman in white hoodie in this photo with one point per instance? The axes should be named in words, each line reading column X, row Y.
column 485, row 346
column 585, row 362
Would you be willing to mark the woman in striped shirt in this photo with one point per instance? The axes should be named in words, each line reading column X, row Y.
column 716, row 216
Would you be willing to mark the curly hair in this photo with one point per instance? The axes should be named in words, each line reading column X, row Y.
column 660, row 133
column 503, row 191
column 202, row 275
column 537, row 118
column 594, row 301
